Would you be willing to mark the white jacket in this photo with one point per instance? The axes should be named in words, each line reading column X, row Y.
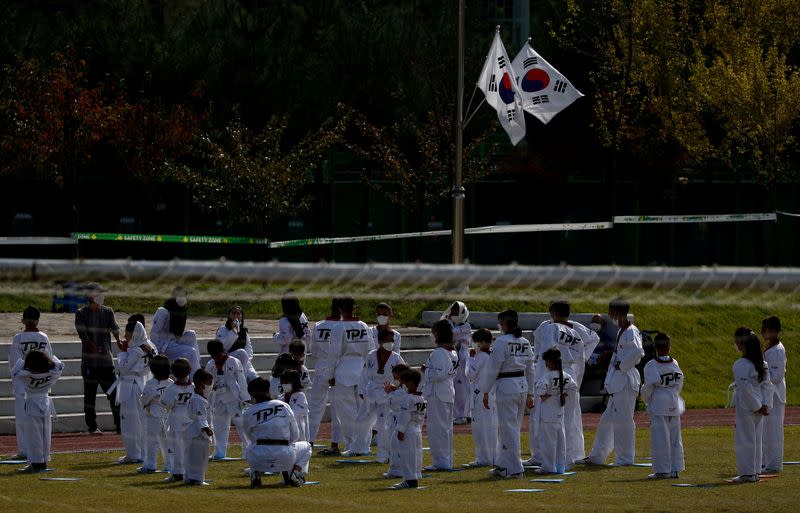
column 373, row 377
column 509, row 354
column 776, row 360
column 438, row 378
column 229, row 387
column 21, row 345
column 319, row 348
column 627, row 353
column 750, row 393
column 663, row 382
column 350, row 350
column 550, row 409
column 37, row 387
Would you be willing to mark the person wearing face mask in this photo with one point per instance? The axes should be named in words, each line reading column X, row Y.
column 617, row 429
column 383, row 317
column 236, row 340
column 457, row 314
column 169, row 332
column 95, row 323
column 373, row 410
column 293, row 395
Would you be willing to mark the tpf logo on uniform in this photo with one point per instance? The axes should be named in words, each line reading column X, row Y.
column 31, row 345
column 354, row 334
column 324, row 333
column 670, row 378
column 39, row 382
column 265, row 414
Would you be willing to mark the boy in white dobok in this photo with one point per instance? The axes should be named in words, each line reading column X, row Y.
column 663, row 381
column 198, row 432
column 439, row 393
column 484, row 420
column 175, row 400
column 228, row 395
column 275, row 447
column 155, row 434
column 553, row 388
column 617, row 429
column 458, row 314
column 37, row 374
column 24, row 342
column 320, row 350
column 408, row 431
column 135, row 352
column 383, row 316
column 775, row 356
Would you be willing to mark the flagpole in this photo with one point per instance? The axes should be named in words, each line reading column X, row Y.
column 459, row 193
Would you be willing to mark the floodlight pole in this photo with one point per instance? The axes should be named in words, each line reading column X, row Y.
column 458, row 192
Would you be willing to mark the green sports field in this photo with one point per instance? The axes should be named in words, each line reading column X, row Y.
column 107, row 487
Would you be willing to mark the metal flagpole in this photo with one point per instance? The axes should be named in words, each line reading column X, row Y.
column 458, row 193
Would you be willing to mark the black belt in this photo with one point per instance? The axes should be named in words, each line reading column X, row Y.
column 515, row 374
column 272, row 442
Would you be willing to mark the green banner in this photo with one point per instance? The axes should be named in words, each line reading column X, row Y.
column 181, row 239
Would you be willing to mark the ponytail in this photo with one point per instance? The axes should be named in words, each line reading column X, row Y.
column 511, row 318
column 752, row 350
column 561, row 382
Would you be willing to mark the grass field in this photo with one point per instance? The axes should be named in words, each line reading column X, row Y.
column 106, row 487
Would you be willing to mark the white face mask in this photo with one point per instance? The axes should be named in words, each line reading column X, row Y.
column 99, row 299
column 595, row 326
column 181, row 301
column 500, row 327
column 387, row 346
column 236, row 322
column 383, row 320
column 615, row 322
column 287, row 388
column 396, row 383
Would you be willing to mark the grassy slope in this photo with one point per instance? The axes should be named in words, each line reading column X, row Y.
column 709, row 458
column 701, row 325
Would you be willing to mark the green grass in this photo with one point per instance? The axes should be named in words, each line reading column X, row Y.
column 700, row 322
column 107, row 487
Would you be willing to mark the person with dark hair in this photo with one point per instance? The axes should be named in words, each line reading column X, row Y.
column 154, row 416
column 175, row 400
column 553, row 388
column 408, row 429
column 663, row 382
column 617, row 429
column 395, row 394
column 137, row 317
column 457, row 314
column 95, row 324
column 293, row 324
column 236, row 339
column 276, row 445
column 752, row 400
column 298, row 349
column 198, row 433
column 37, row 374
column 135, row 352
column 228, row 395
column 509, row 372
column 374, row 407
column 24, row 342
column 294, row 396
column 319, row 347
column 439, row 392
column 775, row 356
column 350, row 351
column 169, row 332
column 383, row 316
column 484, row 421
column 284, row 362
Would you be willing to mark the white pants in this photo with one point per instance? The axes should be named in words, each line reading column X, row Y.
column 317, row 401
column 462, row 405
column 37, row 431
column 553, row 445
column 278, row 458
column 196, row 458
column 533, row 430
column 772, row 446
column 345, row 397
column 221, row 418
column 184, row 347
column 19, row 421
column 510, row 412
column 373, row 413
column 666, row 447
column 176, row 446
column 408, row 455
column 573, row 428
column 484, row 429
column 131, row 419
column 155, row 439
column 440, row 432
column 617, row 430
column 747, row 437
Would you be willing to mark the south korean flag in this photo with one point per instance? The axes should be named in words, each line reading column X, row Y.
column 545, row 91
column 499, row 84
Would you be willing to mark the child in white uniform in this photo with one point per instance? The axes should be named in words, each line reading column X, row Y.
column 135, row 352
column 458, row 314
column 235, row 338
column 663, row 382
column 294, row 396
column 198, row 433
column 155, row 435
column 276, row 447
column 752, row 401
column 484, row 421
column 169, row 332
column 408, row 431
column 175, row 400
column 23, row 343
column 383, row 316
column 775, row 356
column 37, row 374
column 395, row 392
column 228, row 395
column 553, row 388
column 439, row 393
column 293, row 324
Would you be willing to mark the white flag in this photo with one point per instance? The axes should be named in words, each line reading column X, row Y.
column 545, row 91
column 498, row 83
